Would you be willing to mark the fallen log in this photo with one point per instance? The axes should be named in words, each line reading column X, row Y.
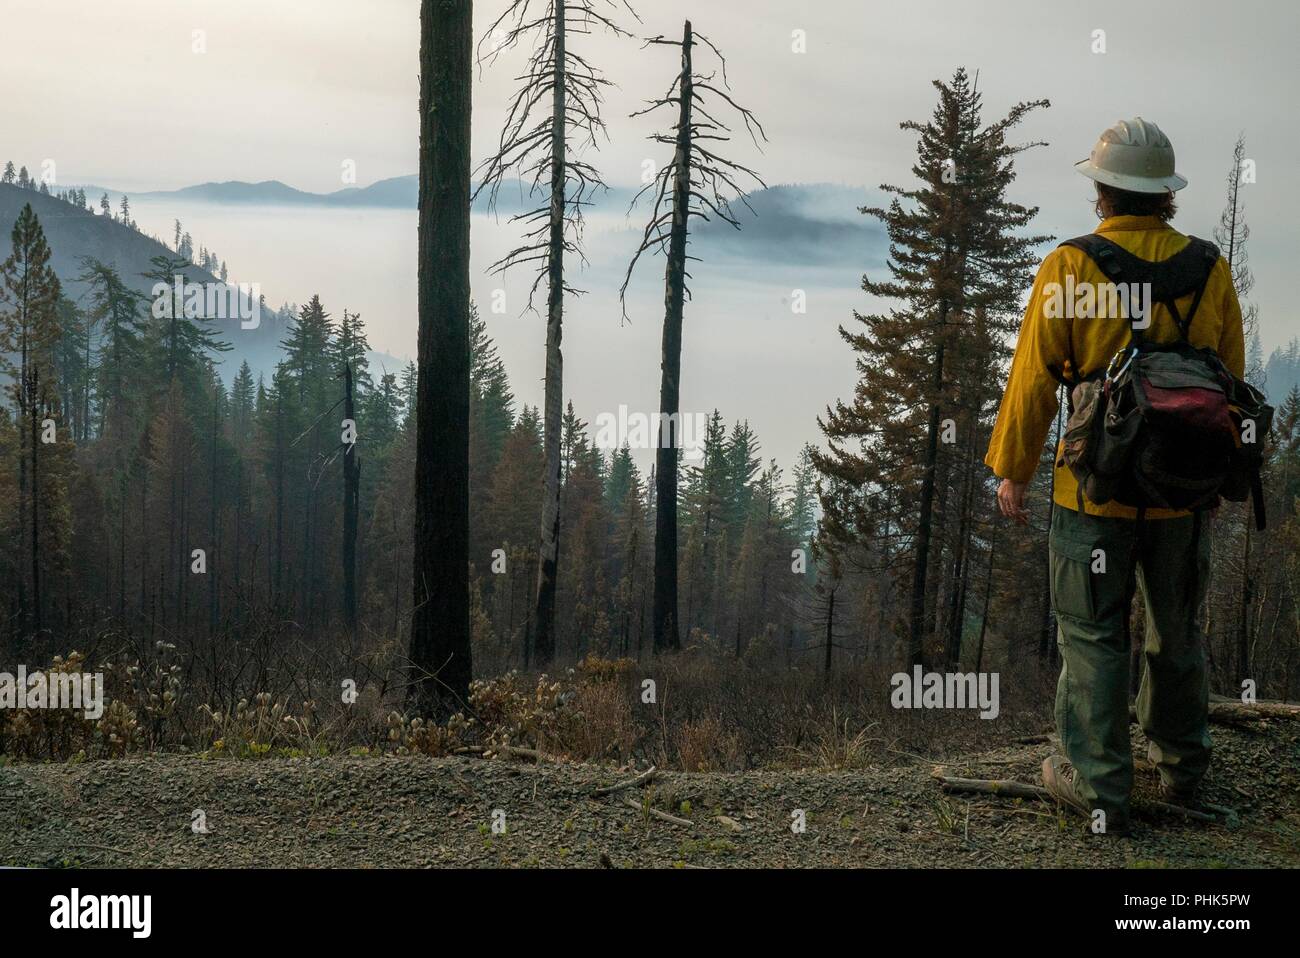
column 995, row 786
column 655, row 813
column 643, row 779
column 1013, row 789
column 514, row 751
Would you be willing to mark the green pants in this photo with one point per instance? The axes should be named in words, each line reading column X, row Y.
column 1093, row 562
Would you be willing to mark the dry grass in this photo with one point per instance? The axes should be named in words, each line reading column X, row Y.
column 695, row 711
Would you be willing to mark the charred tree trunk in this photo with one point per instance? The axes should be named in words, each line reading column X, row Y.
column 666, row 633
column 440, row 627
column 988, row 595
column 1243, row 611
column 830, row 630
column 37, row 623
column 549, row 553
column 351, row 484
column 213, row 508
column 916, row 635
column 277, row 581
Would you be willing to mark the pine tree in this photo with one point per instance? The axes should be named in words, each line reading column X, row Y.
column 953, row 250
column 534, row 144
column 309, row 353
column 696, row 179
column 803, row 503
column 118, row 311
column 29, row 334
column 1232, row 235
column 243, row 399
column 408, row 390
column 181, row 336
column 491, row 401
column 352, row 350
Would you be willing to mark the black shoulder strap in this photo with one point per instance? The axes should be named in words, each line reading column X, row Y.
column 1187, row 271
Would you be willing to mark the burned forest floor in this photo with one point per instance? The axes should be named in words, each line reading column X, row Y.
column 412, row 811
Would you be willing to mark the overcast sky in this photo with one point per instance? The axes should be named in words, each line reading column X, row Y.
column 290, row 89
column 116, row 94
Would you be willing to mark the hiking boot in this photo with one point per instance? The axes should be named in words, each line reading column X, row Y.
column 1059, row 778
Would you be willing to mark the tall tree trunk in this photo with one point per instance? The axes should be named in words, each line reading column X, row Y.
column 549, row 554
column 830, row 630
column 213, row 507
column 956, row 620
column 664, row 611
column 351, row 481
column 1247, row 596
column 988, row 594
column 440, row 627
column 277, row 581
column 24, row 408
column 121, row 549
column 36, row 499
column 916, row 634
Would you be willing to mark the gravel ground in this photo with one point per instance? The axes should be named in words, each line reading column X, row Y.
column 408, row 811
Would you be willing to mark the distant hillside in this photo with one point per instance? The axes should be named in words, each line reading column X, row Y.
column 268, row 192
column 815, row 223
column 75, row 234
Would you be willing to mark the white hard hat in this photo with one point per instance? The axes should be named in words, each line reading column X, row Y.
column 1133, row 155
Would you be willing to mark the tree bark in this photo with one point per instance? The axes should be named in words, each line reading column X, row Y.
column 351, row 481
column 549, row 556
column 440, row 626
column 916, row 635
column 830, row 630
column 664, row 623
column 37, row 622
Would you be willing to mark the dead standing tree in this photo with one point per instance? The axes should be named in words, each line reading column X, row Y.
column 534, row 145
column 441, row 666
column 697, row 179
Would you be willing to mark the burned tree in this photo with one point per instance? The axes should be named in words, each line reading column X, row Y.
column 534, row 146
column 697, row 178
column 440, row 627
column 351, row 505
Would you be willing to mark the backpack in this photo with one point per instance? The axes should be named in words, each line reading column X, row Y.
column 1164, row 426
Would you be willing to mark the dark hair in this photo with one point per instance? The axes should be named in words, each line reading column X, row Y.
column 1116, row 202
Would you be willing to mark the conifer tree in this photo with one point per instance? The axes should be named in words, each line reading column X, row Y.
column 29, row 334
column 694, row 184
column 954, row 249
column 560, row 100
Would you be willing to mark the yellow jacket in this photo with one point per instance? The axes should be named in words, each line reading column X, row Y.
column 1029, row 405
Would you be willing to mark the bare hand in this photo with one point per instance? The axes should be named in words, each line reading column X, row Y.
column 1011, row 500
